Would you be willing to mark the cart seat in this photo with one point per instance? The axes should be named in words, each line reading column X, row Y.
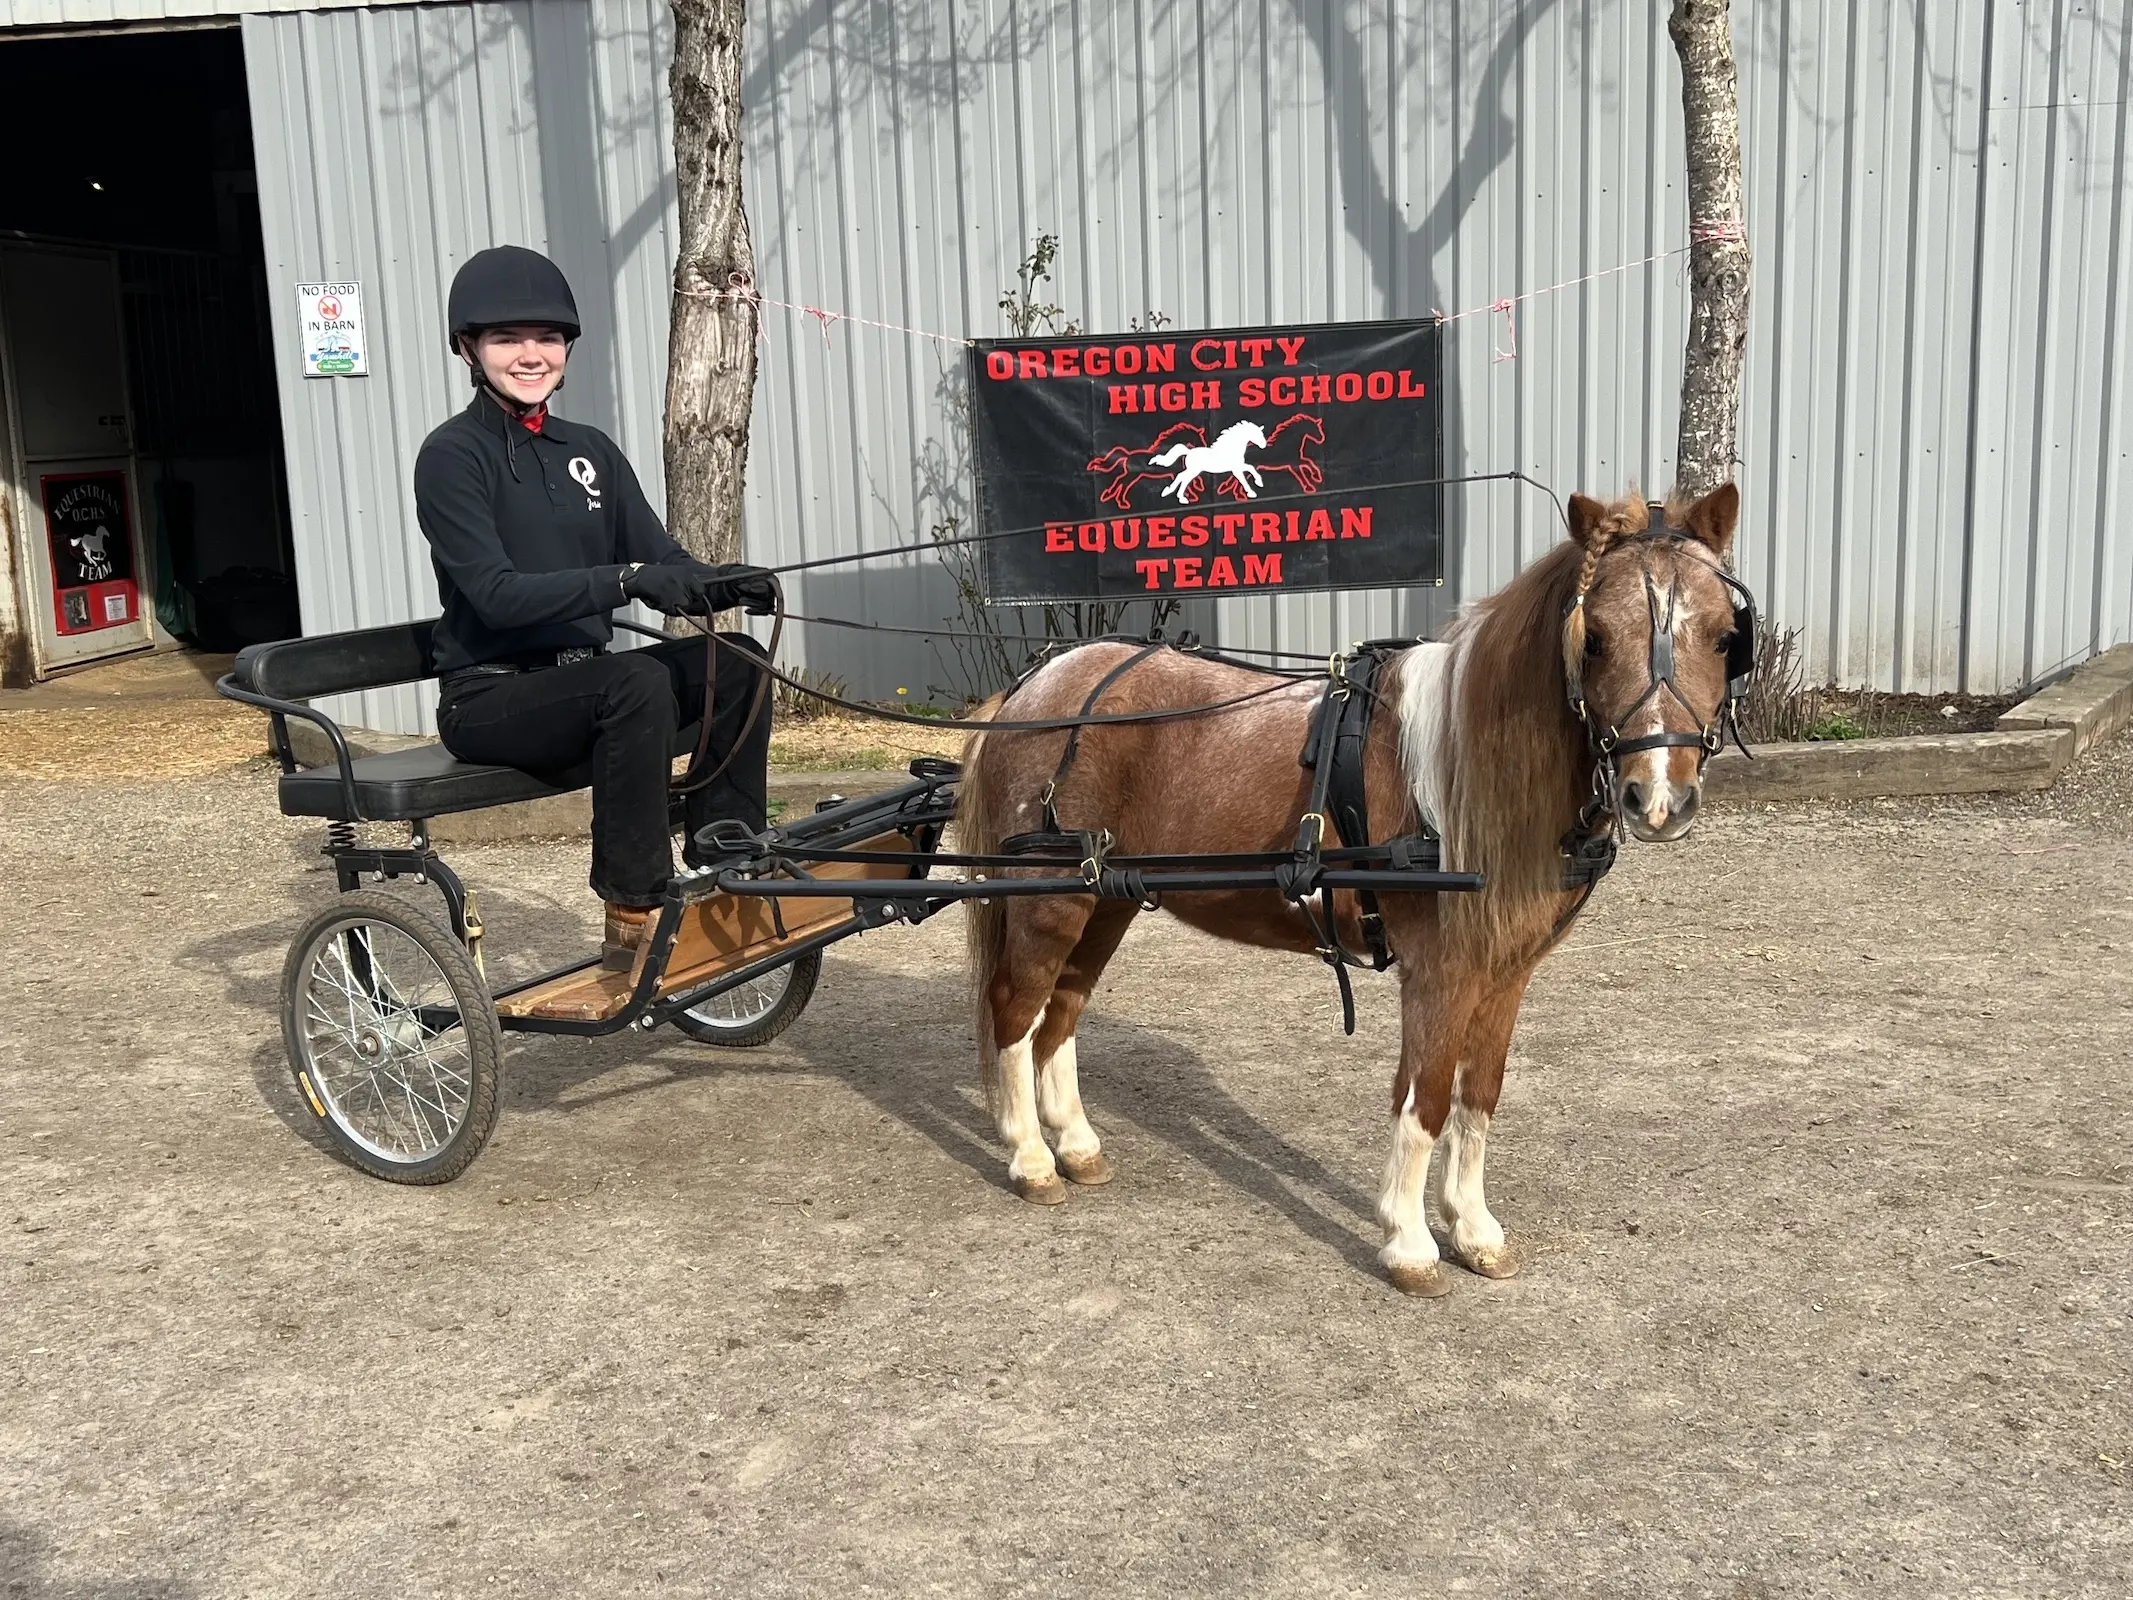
column 402, row 785
column 396, row 785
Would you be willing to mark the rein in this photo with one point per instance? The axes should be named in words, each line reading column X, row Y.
column 767, row 671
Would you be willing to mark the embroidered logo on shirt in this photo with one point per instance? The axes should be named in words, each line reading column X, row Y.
column 588, row 480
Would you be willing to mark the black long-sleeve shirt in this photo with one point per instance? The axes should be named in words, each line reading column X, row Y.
column 529, row 533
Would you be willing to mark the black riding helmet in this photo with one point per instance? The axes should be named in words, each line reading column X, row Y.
column 506, row 286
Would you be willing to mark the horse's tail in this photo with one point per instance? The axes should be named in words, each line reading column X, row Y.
column 978, row 821
column 1170, row 457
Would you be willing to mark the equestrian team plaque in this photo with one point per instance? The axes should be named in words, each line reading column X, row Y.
column 91, row 544
column 1176, row 465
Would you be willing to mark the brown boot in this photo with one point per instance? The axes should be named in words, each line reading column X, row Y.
column 627, row 927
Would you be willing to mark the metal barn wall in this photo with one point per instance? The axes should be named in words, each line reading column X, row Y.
column 92, row 14
column 1934, row 450
column 393, row 144
column 1936, row 433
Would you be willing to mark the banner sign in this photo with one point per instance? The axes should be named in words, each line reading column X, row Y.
column 90, row 537
column 1231, row 460
column 331, row 316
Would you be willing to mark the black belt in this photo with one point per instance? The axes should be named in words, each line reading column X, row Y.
column 538, row 661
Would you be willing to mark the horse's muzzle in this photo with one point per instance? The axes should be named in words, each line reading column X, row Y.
column 1657, row 811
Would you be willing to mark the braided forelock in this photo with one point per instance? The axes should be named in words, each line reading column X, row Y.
column 1624, row 518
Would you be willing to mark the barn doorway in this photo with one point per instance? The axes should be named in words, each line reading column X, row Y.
column 134, row 321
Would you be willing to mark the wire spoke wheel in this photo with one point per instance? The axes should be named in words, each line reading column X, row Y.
column 393, row 1039
column 757, row 1011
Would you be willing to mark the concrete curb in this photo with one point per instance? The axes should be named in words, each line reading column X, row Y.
column 1858, row 769
column 2026, row 750
column 2094, row 701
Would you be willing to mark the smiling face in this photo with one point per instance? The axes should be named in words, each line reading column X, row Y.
column 1658, row 626
column 524, row 364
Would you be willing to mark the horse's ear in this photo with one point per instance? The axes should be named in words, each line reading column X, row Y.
column 1713, row 519
column 1586, row 517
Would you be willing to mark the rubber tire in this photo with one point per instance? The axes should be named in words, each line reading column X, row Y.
column 477, row 1014
column 806, row 972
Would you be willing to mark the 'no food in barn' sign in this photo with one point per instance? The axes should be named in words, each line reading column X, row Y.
column 331, row 317
column 1174, row 464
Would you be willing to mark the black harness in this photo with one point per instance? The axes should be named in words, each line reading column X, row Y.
column 1333, row 753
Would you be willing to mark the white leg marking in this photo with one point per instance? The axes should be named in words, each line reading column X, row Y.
column 1018, row 1111
column 1403, row 1205
column 1474, row 1231
column 1059, row 1102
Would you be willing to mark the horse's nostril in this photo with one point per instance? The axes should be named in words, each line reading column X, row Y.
column 1685, row 807
column 1633, row 797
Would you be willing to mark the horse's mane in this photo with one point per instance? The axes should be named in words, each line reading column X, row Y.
column 1515, row 756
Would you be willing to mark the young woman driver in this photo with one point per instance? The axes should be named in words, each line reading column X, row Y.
column 538, row 530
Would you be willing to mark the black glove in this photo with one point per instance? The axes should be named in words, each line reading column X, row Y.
column 678, row 588
column 748, row 587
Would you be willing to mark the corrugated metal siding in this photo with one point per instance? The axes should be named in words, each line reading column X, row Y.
column 1935, row 436
column 391, row 146
column 1936, row 427
column 92, row 13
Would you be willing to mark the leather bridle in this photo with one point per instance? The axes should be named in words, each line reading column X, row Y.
column 1590, row 844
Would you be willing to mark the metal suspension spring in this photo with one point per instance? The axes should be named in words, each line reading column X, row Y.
column 340, row 836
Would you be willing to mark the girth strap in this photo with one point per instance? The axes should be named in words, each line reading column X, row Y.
column 1333, row 750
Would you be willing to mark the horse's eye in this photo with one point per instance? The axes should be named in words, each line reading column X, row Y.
column 1592, row 645
column 1725, row 642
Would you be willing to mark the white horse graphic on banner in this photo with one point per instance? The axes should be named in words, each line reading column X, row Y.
column 1226, row 454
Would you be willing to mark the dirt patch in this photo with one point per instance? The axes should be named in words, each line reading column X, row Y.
column 852, row 744
column 1819, row 1132
column 1869, row 714
column 147, row 716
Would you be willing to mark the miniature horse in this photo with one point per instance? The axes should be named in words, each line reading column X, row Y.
column 1493, row 737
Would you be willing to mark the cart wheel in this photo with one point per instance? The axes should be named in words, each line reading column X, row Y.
column 757, row 1011
column 393, row 1039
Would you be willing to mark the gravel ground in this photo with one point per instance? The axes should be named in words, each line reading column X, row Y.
column 1820, row 1136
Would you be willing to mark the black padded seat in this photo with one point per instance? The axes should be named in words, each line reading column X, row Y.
column 401, row 785
column 397, row 785
column 426, row 781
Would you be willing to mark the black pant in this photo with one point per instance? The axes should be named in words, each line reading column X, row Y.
column 612, row 720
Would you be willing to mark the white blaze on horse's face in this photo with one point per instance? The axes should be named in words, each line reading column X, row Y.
column 1660, row 789
column 1657, row 628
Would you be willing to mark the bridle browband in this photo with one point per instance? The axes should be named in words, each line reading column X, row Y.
column 1590, row 844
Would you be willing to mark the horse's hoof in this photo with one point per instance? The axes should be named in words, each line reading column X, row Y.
column 1088, row 1171
column 1505, row 1261
column 1425, row 1282
column 1044, row 1191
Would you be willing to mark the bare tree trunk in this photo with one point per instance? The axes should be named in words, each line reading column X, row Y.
column 1718, row 247
column 711, row 357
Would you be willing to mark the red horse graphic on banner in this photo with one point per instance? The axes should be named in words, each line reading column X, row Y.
column 1130, row 464
column 1288, row 449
